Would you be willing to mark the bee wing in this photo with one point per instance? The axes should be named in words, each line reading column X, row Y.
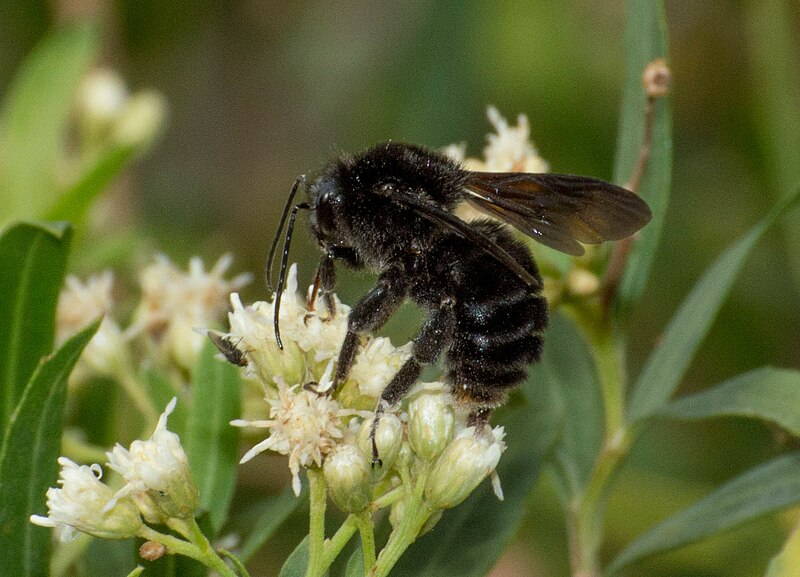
column 558, row 210
column 444, row 218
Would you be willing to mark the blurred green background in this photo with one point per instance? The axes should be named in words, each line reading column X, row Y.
column 259, row 92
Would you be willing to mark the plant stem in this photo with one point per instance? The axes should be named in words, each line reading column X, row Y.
column 366, row 529
column 415, row 514
column 174, row 545
column 336, row 543
column 316, row 527
column 586, row 511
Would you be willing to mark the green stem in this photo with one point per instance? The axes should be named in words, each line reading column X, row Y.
column 366, row 529
column 388, row 499
column 336, row 543
column 174, row 545
column 316, row 530
column 212, row 559
column 587, row 510
column 240, row 568
column 415, row 514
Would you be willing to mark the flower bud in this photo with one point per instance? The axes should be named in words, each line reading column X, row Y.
column 347, row 473
column 467, row 461
column 430, row 424
column 388, row 439
column 82, row 504
column 142, row 119
column 396, row 513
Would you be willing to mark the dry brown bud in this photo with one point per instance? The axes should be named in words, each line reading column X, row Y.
column 657, row 78
column 152, row 550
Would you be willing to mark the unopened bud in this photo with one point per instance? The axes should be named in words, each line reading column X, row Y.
column 142, row 119
column 582, row 282
column 347, row 473
column 388, row 439
column 430, row 424
column 396, row 513
column 152, row 550
column 467, row 461
column 657, row 78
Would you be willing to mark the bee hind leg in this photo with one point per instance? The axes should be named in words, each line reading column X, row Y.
column 479, row 418
column 433, row 337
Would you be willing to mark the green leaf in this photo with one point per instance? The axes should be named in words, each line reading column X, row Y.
column 766, row 488
column 32, row 262
column 275, row 510
column 73, row 203
column 569, row 370
column 774, row 92
column 471, row 537
column 666, row 366
column 161, row 390
column 767, row 393
column 645, row 40
column 297, row 563
column 28, row 460
column 355, row 565
column 34, row 117
column 787, row 562
column 211, row 442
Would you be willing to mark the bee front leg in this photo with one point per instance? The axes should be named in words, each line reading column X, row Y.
column 324, row 283
column 369, row 314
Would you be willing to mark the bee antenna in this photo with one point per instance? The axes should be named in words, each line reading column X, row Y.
column 284, row 261
column 268, row 269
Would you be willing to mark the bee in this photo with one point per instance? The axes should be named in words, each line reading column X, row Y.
column 390, row 210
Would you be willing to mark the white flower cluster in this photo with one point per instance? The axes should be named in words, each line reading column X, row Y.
column 109, row 113
column 158, row 487
column 319, row 428
column 509, row 150
column 172, row 303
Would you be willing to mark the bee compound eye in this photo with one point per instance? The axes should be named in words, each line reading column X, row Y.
column 324, row 214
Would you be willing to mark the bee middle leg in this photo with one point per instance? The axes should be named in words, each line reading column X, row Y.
column 431, row 340
column 369, row 314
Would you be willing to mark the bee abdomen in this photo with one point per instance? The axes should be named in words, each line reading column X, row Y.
column 499, row 327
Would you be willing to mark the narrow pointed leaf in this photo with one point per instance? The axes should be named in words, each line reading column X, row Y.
column 32, row 263
column 297, row 562
column 34, row 117
column 28, row 460
column 275, row 510
column 161, row 390
column 211, row 442
column 769, row 394
column 766, row 488
column 569, row 369
column 645, row 40
column 73, row 203
column 774, row 75
column 665, row 368
column 355, row 565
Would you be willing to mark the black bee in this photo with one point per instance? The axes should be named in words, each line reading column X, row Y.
column 390, row 210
